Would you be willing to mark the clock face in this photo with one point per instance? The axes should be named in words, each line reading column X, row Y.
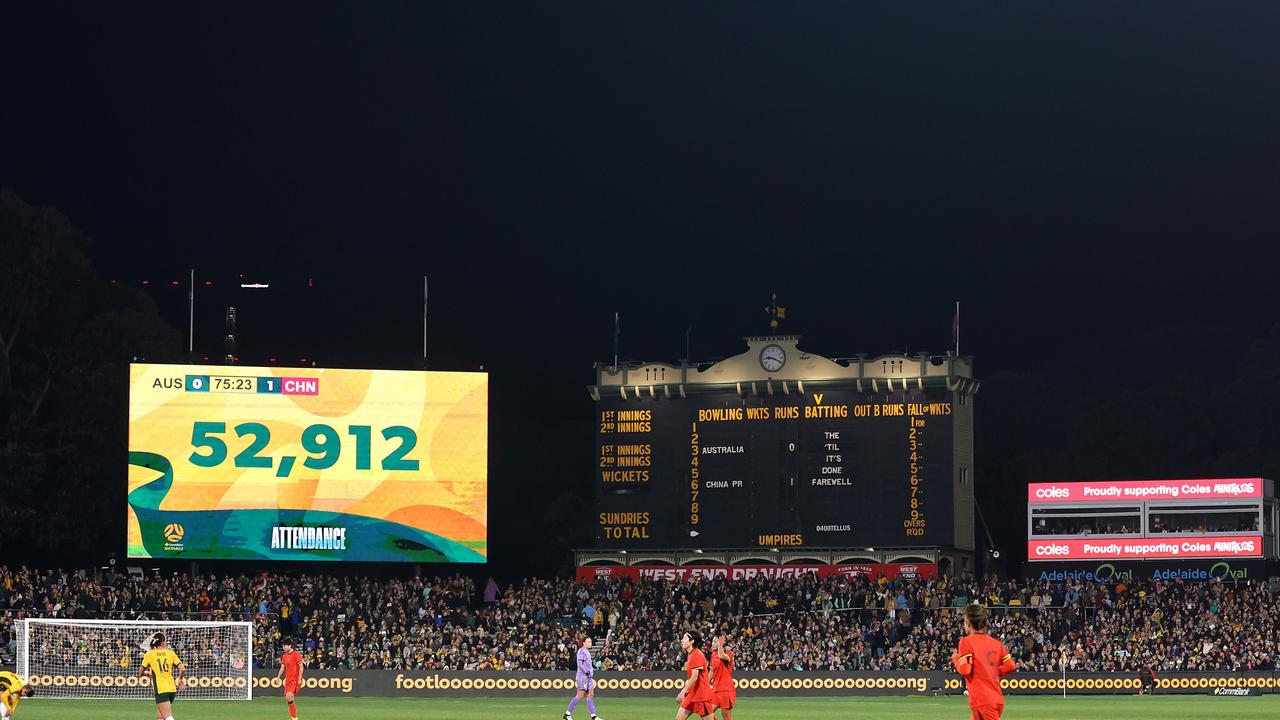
column 772, row 358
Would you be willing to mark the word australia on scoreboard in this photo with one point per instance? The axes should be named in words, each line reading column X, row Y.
column 752, row 453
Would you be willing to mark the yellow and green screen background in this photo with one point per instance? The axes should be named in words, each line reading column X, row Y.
column 229, row 462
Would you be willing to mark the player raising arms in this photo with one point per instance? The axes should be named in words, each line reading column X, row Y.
column 159, row 663
column 584, row 680
column 696, row 698
column 982, row 660
column 12, row 689
column 291, row 672
column 722, row 676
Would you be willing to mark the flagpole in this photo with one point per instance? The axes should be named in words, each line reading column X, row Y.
column 1064, row 674
column 957, row 328
column 617, row 338
column 424, row 322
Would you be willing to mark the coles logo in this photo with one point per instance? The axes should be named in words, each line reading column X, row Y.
column 1053, row 492
column 1049, row 550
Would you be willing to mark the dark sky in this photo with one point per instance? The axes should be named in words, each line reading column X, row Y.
column 1069, row 171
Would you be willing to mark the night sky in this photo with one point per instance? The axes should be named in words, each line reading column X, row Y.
column 1073, row 173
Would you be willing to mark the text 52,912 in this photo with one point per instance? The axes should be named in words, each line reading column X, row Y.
column 322, row 443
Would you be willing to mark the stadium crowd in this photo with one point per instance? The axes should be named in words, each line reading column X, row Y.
column 791, row 623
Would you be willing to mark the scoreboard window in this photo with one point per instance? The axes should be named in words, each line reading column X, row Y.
column 1206, row 519
column 1105, row 520
column 827, row 468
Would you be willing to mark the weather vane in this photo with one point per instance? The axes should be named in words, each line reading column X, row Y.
column 775, row 312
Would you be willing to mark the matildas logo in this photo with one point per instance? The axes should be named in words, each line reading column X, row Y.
column 173, row 534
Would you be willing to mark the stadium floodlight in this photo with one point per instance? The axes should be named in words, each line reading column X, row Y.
column 99, row 659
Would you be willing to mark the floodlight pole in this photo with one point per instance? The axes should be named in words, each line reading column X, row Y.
column 424, row 322
column 191, row 317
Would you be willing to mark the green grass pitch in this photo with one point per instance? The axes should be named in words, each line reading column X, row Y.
column 1094, row 707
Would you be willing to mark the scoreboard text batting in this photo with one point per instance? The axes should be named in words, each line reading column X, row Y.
column 834, row 468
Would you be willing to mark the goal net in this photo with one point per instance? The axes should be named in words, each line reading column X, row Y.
column 100, row 659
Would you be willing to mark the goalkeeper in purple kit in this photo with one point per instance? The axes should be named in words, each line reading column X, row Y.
column 584, row 680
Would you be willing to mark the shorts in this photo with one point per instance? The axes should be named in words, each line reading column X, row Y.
column 986, row 712
column 585, row 684
column 701, row 708
column 727, row 699
column 291, row 688
column 166, row 697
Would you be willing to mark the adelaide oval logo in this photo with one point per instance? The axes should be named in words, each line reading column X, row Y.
column 174, row 532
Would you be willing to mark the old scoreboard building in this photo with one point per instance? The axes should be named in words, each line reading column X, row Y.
column 779, row 457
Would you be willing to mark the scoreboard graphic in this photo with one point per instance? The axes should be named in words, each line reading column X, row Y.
column 774, row 462
column 307, row 464
column 830, row 468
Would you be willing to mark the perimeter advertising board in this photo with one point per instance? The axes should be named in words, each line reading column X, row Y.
column 481, row 684
column 685, row 573
column 1127, row 571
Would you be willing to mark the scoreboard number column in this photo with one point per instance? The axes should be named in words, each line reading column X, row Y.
column 694, row 474
column 915, row 523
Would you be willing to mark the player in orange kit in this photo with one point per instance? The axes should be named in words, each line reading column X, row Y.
column 722, row 676
column 696, row 698
column 982, row 660
column 291, row 671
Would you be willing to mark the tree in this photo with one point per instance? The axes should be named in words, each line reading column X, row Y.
column 66, row 339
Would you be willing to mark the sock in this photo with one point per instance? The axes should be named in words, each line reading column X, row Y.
column 293, row 709
column 572, row 704
column 591, row 706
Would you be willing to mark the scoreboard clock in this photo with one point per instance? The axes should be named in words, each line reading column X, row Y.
column 773, row 357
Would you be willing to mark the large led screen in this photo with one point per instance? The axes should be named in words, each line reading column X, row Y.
column 307, row 464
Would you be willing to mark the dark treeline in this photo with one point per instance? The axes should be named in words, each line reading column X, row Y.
column 1175, row 401
column 66, row 339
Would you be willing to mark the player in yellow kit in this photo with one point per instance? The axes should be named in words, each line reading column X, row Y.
column 12, row 689
column 159, row 663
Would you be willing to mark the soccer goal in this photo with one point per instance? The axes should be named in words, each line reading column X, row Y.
column 100, row 659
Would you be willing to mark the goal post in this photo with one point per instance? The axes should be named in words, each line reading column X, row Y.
column 100, row 659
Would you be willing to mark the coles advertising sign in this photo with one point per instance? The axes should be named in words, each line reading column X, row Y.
column 906, row 571
column 1140, row 490
column 1200, row 546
